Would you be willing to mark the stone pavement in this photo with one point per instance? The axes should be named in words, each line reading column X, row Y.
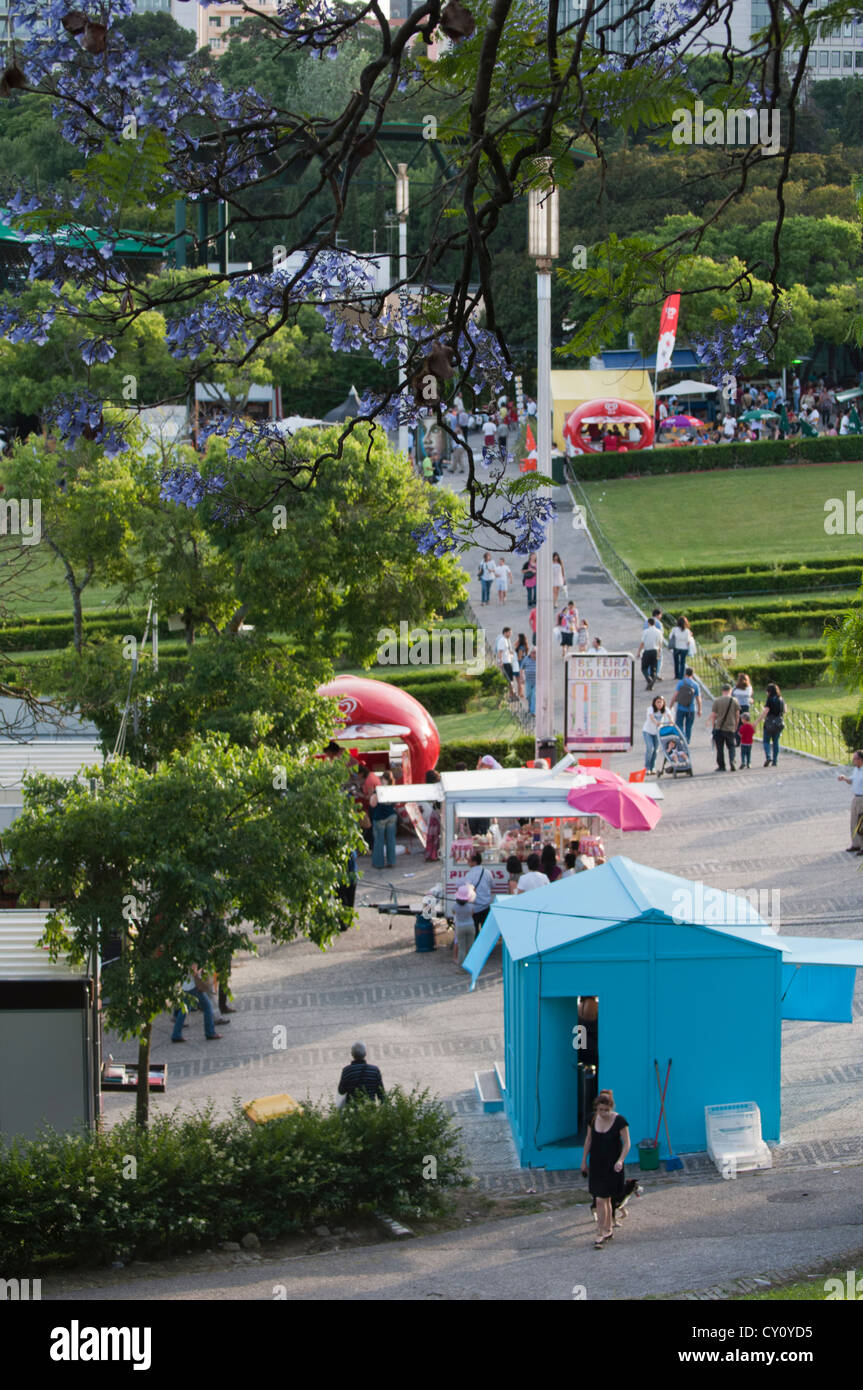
column 781, row 829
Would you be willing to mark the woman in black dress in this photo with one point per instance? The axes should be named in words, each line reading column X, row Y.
column 605, row 1150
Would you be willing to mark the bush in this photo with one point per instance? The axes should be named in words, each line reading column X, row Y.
column 69, row 1200
column 786, row 672
column 708, row 458
column 469, row 750
column 813, row 653
column 800, row 623
column 51, row 630
column 686, row 586
column 744, row 567
column 852, row 730
column 444, row 696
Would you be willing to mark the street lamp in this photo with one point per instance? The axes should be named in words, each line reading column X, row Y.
column 543, row 244
column 403, row 202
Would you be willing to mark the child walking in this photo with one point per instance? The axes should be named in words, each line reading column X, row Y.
column 747, row 734
column 583, row 636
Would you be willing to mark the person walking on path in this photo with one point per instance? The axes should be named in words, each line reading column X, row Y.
column 654, row 719
column 685, row 702
column 360, row 1075
column 463, row 922
column 680, row 642
column 657, row 622
column 725, row 717
column 194, row 989
column 568, row 624
column 528, row 670
column 506, row 660
column 855, row 782
column 502, row 579
column 487, row 575
column 521, row 651
column 742, row 692
column 651, row 643
column 558, row 578
column 528, row 579
column 481, row 881
column 384, row 824
column 605, row 1148
column 773, row 715
column 746, row 734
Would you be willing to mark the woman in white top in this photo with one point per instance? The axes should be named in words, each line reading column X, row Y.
column 558, row 578
column 656, row 716
column 742, row 692
column 502, row 579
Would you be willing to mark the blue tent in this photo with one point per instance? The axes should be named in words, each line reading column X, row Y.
column 670, row 968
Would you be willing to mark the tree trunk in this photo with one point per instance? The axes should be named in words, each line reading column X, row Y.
column 142, row 1104
column 189, row 627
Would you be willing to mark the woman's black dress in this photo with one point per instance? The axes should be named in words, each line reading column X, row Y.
column 604, row 1153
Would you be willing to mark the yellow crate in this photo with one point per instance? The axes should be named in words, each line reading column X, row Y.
column 270, row 1108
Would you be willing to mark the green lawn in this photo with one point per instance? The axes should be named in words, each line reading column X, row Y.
column 737, row 514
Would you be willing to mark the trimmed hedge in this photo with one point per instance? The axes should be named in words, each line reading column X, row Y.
column 50, row 630
column 710, row 458
column 813, row 653
column 443, row 696
column 683, row 587
column 755, row 608
column 786, row 673
column 69, row 1200
column 798, row 623
column 515, row 752
column 744, row 567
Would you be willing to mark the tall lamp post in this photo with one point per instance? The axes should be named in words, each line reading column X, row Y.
column 403, row 202
column 543, row 246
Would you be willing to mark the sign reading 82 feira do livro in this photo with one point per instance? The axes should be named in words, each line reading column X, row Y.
column 598, row 701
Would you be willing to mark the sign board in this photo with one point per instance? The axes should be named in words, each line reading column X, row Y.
column 598, row 701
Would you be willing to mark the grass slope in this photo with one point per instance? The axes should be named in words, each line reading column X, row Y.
column 761, row 514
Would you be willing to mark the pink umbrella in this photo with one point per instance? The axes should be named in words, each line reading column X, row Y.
column 623, row 807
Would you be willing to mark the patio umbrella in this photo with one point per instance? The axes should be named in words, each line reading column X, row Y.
column 682, row 422
column 784, row 422
column 854, row 425
column 749, row 415
column 688, row 388
column 622, row 807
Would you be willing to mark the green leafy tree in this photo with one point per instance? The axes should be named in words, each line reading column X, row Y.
column 92, row 510
column 184, row 864
column 333, row 561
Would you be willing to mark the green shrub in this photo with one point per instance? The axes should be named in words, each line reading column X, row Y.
column 786, row 672
column 69, row 1200
column 701, row 458
column 443, row 696
column 744, row 567
column 813, row 653
column 470, row 750
column 852, row 730
column 801, row 623
column 687, row 586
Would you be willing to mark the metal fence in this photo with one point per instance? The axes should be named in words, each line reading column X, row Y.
column 819, row 735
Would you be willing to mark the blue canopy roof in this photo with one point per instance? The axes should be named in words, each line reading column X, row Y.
column 621, row 891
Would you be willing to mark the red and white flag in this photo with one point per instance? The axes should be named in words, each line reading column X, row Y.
column 667, row 332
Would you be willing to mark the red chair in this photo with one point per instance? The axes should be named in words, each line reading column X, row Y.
column 590, row 762
column 637, row 776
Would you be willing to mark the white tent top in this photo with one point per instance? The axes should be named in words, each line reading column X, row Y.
column 513, row 788
column 688, row 388
column 291, row 423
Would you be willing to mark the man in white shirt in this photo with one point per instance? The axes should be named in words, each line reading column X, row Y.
column 597, row 647
column 657, row 619
column 489, row 434
column 506, row 659
column 534, row 878
column 814, row 419
column 855, row 782
column 729, row 427
column 651, row 645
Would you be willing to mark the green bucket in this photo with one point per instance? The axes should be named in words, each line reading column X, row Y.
column 648, row 1155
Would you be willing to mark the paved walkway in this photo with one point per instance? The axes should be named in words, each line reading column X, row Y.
column 680, row 1239
column 781, row 829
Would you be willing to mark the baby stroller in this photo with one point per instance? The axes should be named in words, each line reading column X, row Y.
column 675, row 752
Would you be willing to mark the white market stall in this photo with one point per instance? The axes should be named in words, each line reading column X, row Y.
column 536, row 796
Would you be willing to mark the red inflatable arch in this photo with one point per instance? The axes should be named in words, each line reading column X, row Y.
column 370, row 709
column 607, row 411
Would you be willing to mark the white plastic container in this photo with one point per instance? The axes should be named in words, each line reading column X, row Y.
column 734, row 1138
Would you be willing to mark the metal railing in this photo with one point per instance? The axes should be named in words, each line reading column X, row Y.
column 516, row 710
column 819, row 735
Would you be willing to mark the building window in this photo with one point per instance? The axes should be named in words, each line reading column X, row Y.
column 846, row 60
column 235, row 19
column 823, row 59
column 846, row 29
column 835, row 59
column 858, row 60
column 216, row 21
